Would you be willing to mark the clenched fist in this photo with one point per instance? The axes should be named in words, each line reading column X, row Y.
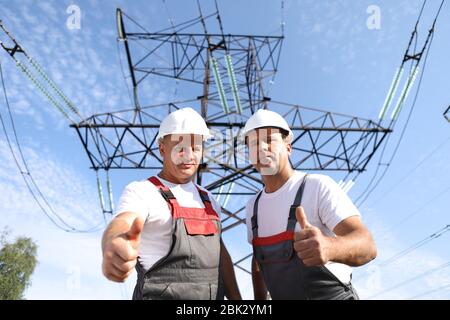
column 311, row 245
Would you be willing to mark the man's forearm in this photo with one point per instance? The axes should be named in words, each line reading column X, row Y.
column 354, row 249
column 229, row 279
column 259, row 286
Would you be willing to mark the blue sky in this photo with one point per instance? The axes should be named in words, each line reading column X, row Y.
column 330, row 60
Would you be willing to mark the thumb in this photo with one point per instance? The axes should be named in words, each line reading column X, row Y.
column 134, row 234
column 301, row 218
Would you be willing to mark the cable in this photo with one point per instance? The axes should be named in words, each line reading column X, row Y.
column 48, row 86
column 439, row 147
column 27, row 170
column 31, row 76
column 415, row 246
column 181, row 26
column 26, row 173
column 219, row 19
column 123, row 74
column 400, row 139
column 416, row 56
column 169, row 16
column 447, row 286
column 428, row 272
column 409, row 216
column 367, row 194
column 42, row 87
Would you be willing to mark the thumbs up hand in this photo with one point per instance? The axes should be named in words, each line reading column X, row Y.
column 134, row 234
column 120, row 252
column 311, row 245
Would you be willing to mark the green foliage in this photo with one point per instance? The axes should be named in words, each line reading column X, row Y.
column 17, row 263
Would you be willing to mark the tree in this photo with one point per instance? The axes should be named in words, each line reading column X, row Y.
column 17, row 263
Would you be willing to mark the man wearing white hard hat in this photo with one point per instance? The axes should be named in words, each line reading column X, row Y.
column 168, row 227
column 305, row 231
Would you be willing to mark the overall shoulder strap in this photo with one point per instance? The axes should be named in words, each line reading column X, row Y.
column 255, row 216
column 207, row 203
column 163, row 190
column 297, row 202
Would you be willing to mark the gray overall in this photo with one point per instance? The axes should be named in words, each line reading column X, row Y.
column 191, row 268
column 285, row 275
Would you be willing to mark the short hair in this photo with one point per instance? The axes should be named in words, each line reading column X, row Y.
column 284, row 135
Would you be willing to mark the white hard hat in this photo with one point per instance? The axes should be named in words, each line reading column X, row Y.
column 183, row 121
column 266, row 118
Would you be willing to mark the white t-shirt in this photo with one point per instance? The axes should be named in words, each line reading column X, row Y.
column 325, row 205
column 143, row 198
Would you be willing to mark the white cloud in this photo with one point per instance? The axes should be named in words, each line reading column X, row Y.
column 49, row 9
column 69, row 264
column 69, row 195
column 340, row 27
column 73, row 60
column 374, row 279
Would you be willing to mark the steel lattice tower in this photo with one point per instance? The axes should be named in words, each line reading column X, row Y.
column 226, row 76
column 447, row 114
column 126, row 139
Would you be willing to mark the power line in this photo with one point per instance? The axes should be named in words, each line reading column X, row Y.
column 49, row 89
column 398, row 143
column 428, row 272
column 32, row 69
column 420, row 163
column 27, row 173
column 415, row 212
column 123, row 73
column 415, row 246
column 368, row 193
column 169, row 16
column 447, row 286
column 415, row 59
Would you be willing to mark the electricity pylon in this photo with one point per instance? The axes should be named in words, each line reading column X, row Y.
column 229, row 72
column 447, row 114
column 229, row 75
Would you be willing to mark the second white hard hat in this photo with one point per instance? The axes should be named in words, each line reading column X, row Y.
column 184, row 121
column 266, row 118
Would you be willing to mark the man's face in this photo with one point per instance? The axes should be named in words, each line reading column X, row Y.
column 269, row 152
column 181, row 154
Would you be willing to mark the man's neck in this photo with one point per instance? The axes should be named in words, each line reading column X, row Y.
column 169, row 177
column 274, row 182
